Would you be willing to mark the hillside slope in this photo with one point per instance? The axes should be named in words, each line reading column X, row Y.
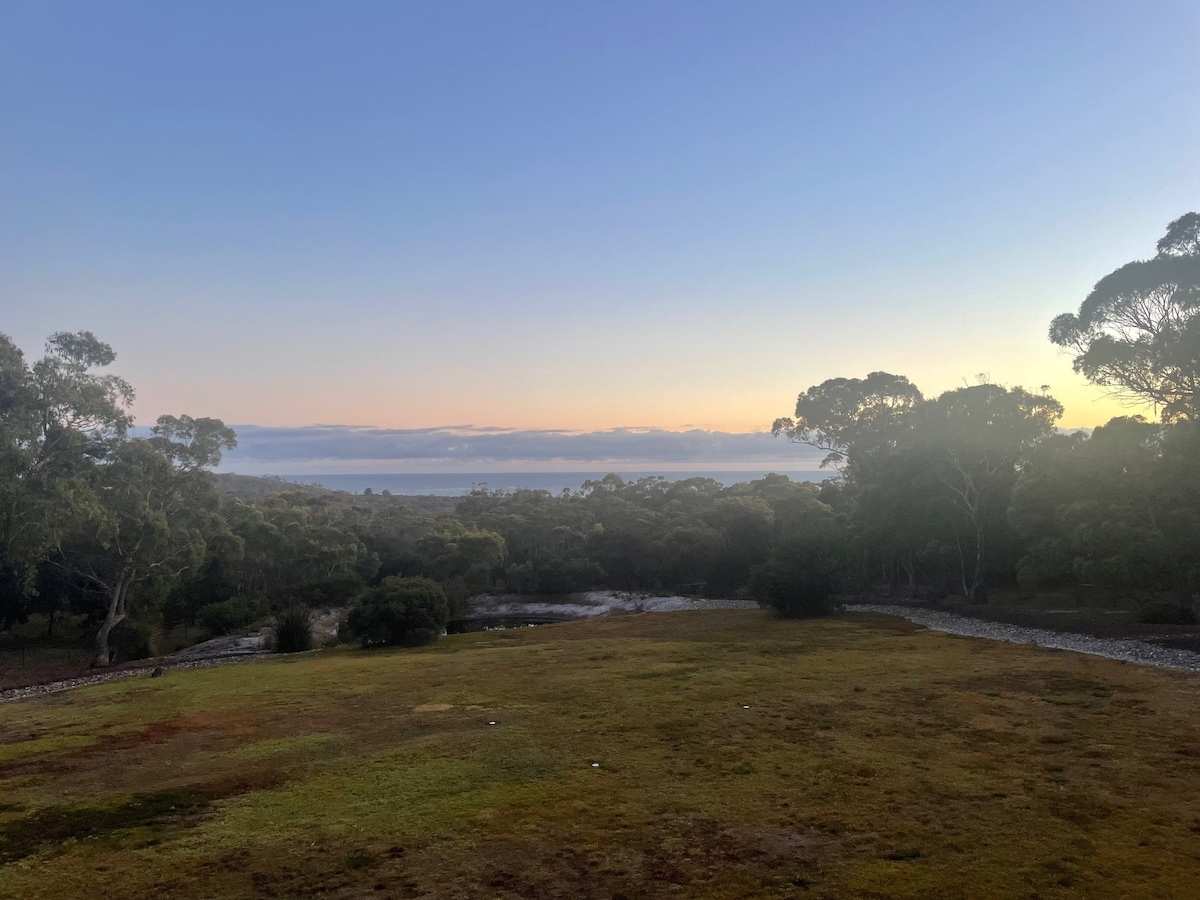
column 715, row 754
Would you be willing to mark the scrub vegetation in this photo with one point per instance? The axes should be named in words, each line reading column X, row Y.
column 720, row 754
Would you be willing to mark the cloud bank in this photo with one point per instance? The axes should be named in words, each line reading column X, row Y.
column 345, row 448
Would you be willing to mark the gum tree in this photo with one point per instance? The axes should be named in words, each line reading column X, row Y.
column 1138, row 331
column 59, row 418
column 854, row 420
column 155, row 514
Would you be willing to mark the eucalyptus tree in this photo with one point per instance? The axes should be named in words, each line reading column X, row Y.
column 975, row 439
column 58, row 418
column 454, row 551
column 154, row 513
column 295, row 538
column 1138, row 331
column 854, row 420
column 1117, row 511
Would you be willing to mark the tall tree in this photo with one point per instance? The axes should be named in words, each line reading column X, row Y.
column 855, row 420
column 58, row 417
column 155, row 513
column 977, row 437
column 1138, row 331
column 1119, row 510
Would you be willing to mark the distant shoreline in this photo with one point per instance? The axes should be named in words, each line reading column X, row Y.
column 457, row 484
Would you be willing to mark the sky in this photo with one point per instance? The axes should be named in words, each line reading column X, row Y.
column 579, row 217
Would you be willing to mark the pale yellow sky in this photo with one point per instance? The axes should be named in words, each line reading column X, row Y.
column 704, row 369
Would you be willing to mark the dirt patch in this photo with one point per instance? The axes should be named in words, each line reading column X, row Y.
column 1037, row 684
column 140, row 820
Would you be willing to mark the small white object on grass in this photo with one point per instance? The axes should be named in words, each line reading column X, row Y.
column 491, row 723
column 744, row 706
column 595, row 765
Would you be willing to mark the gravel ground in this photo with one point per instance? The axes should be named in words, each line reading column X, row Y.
column 590, row 604
column 1138, row 652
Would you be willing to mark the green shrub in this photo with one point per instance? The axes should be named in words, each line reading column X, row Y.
column 291, row 630
column 792, row 590
column 405, row 611
column 800, row 574
column 230, row 615
column 330, row 592
column 457, row 595
column 133, row 640
column 566, row 576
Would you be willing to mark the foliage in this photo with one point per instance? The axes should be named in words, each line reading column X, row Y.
column 1138, row 331
column 153, row 524
column 134, row 640
column 292, row 630
column 233, row 614
column 926, row 482
column 1118, row 510
column 404, row 611
column 799, row 576
column 853, row 419
column 120, row 519
column 58, row 417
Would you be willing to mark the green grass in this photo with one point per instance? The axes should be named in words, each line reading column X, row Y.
column 874, row 760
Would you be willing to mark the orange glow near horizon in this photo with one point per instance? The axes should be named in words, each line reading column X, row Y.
column 1086, row 406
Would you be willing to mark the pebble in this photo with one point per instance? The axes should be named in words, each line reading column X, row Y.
column 1140, row 653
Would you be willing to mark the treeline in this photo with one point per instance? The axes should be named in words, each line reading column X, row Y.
column 138, row 537
column 958, row 494
column 978, row 488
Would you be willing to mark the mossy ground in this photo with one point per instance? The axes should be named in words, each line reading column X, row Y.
column 875, row 760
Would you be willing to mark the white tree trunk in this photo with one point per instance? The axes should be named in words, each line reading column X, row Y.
column 113, row 617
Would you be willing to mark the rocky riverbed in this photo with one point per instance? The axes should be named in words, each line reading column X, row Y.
column 589, row 604
column 1142, row 653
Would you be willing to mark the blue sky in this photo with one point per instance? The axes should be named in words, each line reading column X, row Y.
column 579, row 216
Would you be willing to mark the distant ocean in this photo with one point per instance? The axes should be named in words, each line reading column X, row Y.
column 457, row 484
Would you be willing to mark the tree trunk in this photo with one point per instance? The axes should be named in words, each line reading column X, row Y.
column 114, row 616
column 962, row 566
column 978, row 586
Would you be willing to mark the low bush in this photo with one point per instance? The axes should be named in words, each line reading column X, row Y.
column 329, row 592
column 291, row 630
column 404, row 611
column 133, row 640
column 801, row 573
column 230, row 615
column 792, row 591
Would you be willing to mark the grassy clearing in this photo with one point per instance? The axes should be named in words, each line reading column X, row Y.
column 874, row 760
